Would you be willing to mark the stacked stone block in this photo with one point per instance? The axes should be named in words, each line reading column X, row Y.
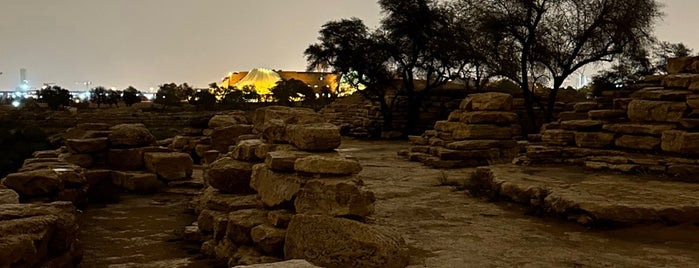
column 482, row 131
column 261, row 191
column 649, row 127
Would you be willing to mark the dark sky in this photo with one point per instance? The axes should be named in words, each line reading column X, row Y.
column 144, row 43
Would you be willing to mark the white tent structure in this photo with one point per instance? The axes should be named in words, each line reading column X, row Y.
column 262, row 79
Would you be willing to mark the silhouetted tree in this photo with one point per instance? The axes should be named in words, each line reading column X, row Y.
column 203, row 99
column 131, row 95
column 286, row 90
column 167, row 95
column 54, row 96
column 113, row 97
column 98, row 95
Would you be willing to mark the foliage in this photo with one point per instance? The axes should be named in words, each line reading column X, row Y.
column 172, row 94
column 98, row 95
column 131, row 96
column 203, row 99
column 290, row 90
column 54, row 96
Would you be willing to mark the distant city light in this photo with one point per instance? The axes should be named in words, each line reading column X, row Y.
column 16, row 103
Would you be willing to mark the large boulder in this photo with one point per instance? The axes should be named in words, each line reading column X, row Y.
column 44, row 181
column 593, row 139
column 169, row 166
column 330, row 197
column 247, row 150
column 490, row 101
column 682, row 142
column 130, row 135
column 336, row 242
column 314, row 137
column 225, row 120
column 224, row 137
column 337, row 165
column 229, row 175
column 86, row 146
column 656, row 111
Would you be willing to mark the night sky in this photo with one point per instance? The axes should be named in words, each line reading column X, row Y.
column 144, row 43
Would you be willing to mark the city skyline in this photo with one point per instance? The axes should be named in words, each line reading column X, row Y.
column 120, row 44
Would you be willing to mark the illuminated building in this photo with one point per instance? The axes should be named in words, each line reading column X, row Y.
column 265, row 79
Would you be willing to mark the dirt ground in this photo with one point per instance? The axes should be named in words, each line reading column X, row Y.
column 445, row 227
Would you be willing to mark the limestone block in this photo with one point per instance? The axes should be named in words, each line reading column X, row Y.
column 46, row 154
column 631, row 128
column 223, row 137
column 690, row 124
column 85, row 146
column 229, row 175
column 140, row 182
column 206, row 219
column 558, row 137
column 8, row 196
column 621, row 103
column 216, row 200
column 125, row 159
column 169, row 166
column 201, row 149
column 82, row 160
column 480, row 144
column 314, row 137
column 275, row 188
column 565, row 116
column 490, row 101
column 661, row 93
column 286, row 115
column 593, row 139
column 657, row 111
column 679, row 81
column 335, row 198
column 638, row 142
column 283, row 160
column 682, row 142
column 283, row 264
column 683, row 65
column 455, row 116
column 34, row 183
column 225, row 120
column 582, row 125
column 448, row 154
column 480, row 132
column 582, row 107
column 418, row 140
column 241, row 222
column 336, row 165
column 269, row 239
column 446, row 126
column 488, row 117
column 245, row 150
column 606, row 114
column 130, row 135
column 279, row 218
column 336, row 242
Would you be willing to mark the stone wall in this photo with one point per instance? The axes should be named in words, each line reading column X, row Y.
column 652, row 126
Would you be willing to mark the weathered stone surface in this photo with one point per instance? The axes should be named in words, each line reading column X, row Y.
column 693, row 101
column 283, row 264
column 447, row 126
column 682, row 142
column 84, row 146
column 275, row 188
column 140, row 182
column 690, row 124
column 225, row 120
column 660, row 93
column 448, row 154
column 82, row 160
column 130, row 135
column 638, row 142
column 682, row 65
column 229, row 175
column 207, row 219
column 316, row 164
column 247, row 255
column 648, row 129
column 680, row 81
column 490, row 101
column 480, row 144
column 34, row 183
column 656, row 111
column 279, row 218
column 169, row 166
column 488, row 117
column 269, row 239
column 46, row 154
column 314, row 137
column 8, row 196
column 593, row 139
column 455, row 116
column 566, row 116
column 606, row 114
column 215, row 200
column 418, row 140
column 581, row 107
column 241, row 222
column 246, row 150
column 223, row 137
column 584, row 125
column 125, row 159
column 481, row 132
column 283, row 160
column 335, row 198
column 335, row 242
column 287, row 115
column 558, row 137
column 39, row 235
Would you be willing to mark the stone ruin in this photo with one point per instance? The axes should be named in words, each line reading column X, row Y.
column 482, row 131
column 278, row 190
column 648, row 127
column 275, row 189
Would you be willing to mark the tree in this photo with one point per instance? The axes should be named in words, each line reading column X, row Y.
column 167, row 95
column 250, row 94
column 131, row 95
column 203, row 99
column 560, row 37
column 287, row 91
column 98, row 95
column 664, row 51
column 54, row 96
column 113, row 97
